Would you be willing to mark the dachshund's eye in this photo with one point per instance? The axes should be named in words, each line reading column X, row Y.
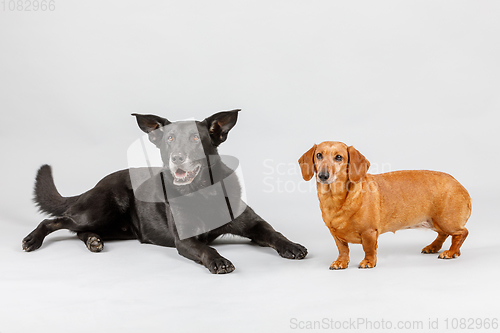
column 195, row 137
column 338, row 158
column 171, row 138
column 319, row 156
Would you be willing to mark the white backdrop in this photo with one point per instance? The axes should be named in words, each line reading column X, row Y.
column 411, row 84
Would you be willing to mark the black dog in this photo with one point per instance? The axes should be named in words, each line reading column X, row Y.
column 154, row 211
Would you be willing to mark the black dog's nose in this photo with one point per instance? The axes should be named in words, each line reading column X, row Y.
column 323, row 175
column 177, row 158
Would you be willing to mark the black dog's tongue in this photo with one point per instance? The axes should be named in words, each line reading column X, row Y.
column 180, row 173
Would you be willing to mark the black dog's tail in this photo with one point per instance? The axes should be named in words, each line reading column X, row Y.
column 47, row 198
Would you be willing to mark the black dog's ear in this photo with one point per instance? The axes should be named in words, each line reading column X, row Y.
column 220, row 124
column 152, row 125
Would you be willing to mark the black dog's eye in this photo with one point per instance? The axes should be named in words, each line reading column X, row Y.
column 319, row 156
column 195, row 137
column 171, row 138
column 338, row 158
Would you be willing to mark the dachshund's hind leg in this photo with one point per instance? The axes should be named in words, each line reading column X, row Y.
column 456, row 242
column 435, row 246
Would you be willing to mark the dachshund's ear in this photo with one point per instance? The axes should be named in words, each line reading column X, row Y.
column 358, row 165
column 306, row 163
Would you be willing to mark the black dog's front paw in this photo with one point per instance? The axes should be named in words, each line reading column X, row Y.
column 220, row 266
column 292, row 251
column 32, row 242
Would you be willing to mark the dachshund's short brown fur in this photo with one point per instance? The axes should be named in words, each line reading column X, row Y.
column 357, row 207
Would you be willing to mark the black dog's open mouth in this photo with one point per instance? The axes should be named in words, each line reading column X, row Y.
column 183, row 177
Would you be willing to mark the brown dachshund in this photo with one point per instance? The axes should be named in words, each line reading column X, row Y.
column 357, row 207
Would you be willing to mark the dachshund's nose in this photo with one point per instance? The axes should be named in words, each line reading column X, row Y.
column 323, row 175
column 177, row 158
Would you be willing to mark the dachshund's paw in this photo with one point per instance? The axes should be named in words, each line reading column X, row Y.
column 220, row 266
column 32, row 242
column 367, row 264
column 449, row 254
column 94, row 244
column 293, row 251
column 430, row 249
column 339, row 264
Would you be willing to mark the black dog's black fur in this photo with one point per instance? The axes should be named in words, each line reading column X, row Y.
column 111, row 211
